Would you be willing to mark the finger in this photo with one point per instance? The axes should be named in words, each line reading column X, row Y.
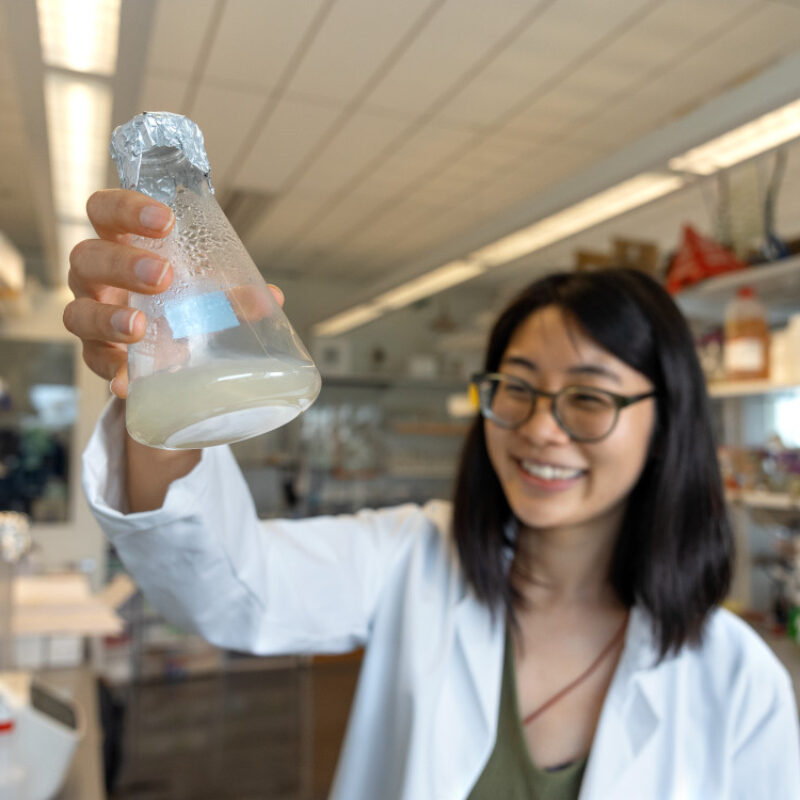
column 96, row 264
column 119, row 383
column 117, row 212
column 105, row 359
column 254, row 302
column 102, row 322
column 279, row 296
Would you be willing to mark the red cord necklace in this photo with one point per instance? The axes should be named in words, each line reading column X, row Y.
column 582, row 677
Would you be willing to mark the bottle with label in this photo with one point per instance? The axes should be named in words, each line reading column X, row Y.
column 746, row 337
column 219, row 361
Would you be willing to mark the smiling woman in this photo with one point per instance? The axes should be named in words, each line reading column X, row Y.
column 553, row 632
column 650, row 482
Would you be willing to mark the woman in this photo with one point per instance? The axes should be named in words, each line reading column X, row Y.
column 554, row 633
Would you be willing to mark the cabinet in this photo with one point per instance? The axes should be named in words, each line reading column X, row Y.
column 762, row 489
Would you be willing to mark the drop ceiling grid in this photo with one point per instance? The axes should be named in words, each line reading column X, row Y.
column 552, row 170
column 273, row 231
column 359, row 141
column 641, row 9
column 256, row 41
column 316, row 143
column 391, row 48
column 650, row 104
column 173, row 55
column 482, row 200
column 224, row 116
column 294, row 128
column 403, row 226
column 161, row 93
column 553, row 45
column 350, row 211
column 461, row 39
column 358, row 57
column 475, row 67
column 752, row 43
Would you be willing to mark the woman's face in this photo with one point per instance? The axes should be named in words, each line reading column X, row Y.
column 591, row 481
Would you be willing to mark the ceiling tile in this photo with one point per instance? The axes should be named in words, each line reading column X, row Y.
column 292, row 131
column 455, row 40
column 559, row 36
column 342, row 59
column 737, row 54
column 161, row 93
column 225, row 116
column 423, row 152
column 362, row 138
column 256, row 39
column 342, row 218
column 178, row 30
column 284, row 218
column 673, row 27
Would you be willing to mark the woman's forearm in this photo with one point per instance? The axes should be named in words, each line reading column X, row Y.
column 150, row 472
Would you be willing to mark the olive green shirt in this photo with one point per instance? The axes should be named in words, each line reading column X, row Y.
column 510, row 773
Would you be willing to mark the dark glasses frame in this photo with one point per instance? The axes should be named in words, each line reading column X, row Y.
column 619, row 401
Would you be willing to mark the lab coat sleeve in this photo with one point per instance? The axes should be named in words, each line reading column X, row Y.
column 766, row 756
column 209, row 565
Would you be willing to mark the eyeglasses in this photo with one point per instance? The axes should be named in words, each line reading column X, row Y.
column 584, row 413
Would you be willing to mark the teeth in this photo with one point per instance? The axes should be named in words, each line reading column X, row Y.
column 550, row 473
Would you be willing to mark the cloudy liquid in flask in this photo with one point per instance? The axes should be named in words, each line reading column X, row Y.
column 218, row 402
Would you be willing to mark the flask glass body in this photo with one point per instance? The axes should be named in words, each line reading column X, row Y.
column 219, row 361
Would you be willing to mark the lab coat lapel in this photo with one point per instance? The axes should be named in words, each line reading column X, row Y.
column 480, row 639
column 630, row 719
column 469, row 699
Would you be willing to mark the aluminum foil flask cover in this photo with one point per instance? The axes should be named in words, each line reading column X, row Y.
column 219, row 361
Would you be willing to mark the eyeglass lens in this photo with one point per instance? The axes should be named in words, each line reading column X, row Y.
column 582, row 412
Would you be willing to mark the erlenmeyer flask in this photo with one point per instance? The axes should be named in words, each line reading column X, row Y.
column 219, row 361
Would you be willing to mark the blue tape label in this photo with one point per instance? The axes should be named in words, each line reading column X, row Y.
column 201, row 314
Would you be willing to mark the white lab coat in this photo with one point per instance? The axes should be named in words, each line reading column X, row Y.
column 714, row 723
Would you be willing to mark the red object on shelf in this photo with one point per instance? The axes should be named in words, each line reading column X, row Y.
column 697, row 259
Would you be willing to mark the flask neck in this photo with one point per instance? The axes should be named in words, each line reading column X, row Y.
column 164, row 169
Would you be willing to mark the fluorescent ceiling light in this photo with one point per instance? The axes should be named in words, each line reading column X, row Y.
column 80, row 35
column 78, row 125
column 600, row 207
column 762, row 134
column 352, row 318
column 432, row 282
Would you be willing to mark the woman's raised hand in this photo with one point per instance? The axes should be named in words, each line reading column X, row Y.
column 103, row 271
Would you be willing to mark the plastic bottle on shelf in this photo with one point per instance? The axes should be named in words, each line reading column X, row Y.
column 746, row 353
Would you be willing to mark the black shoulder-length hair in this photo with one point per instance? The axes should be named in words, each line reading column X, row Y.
column 674, row 553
